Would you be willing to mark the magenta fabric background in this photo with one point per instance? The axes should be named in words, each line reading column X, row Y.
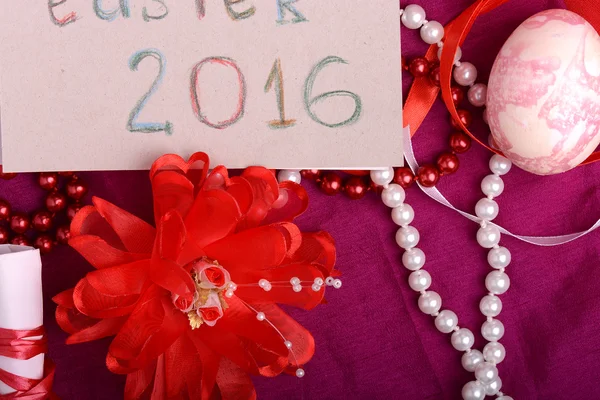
column 372, row 342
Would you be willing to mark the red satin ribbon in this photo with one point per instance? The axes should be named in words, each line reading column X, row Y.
column 15, row 344
column 424, row 93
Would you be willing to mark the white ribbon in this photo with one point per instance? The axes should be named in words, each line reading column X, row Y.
column 435, row 194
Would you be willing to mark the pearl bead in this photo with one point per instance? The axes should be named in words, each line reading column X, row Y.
column 393, row 195
column 465, row 74
column 486, row 372
column 413, row 16
column 487, row 209
column 289, row 175
column 492, row 185
column 413, row 259
column 462, row 339
column 419, row 280
column 488, row 236
column 500, row 165
column 382, row 177
column 297, row 288
column 430, row 302
column 260, row 316
column 229, row 293
column 471, row 359
column 295, row 281
column 288, row 344
column 494, row 352
column 407, row 237
column 499, row 258
column 492, row 330
column 473, row 391
column 457, row 55
column 446, row 321
column 490, row 305
column 432, row 32
column 263, row 283
column 315, row 287
column 337, row 284
column 492, row 388
column 403, row 215
column 477, row 94
column 319, row 281
column 497, row 282
column 300, row 373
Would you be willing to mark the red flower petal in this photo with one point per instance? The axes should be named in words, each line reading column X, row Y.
column 302, row 340
column 226, row 344
column 164, row 270
column 306, row 299
column 296, row 204
column 241, row 321
column 256, row 249
column 234, row 383
column 103, row 328
column 213, row 216
column 121, row 280
column 96, row 304
column 101, row 254
column 136, row 234
column 266, row 191
column 172, row 191
column 317, row 248
column 139, row 381
column 151, row 329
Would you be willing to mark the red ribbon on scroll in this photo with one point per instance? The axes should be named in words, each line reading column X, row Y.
column 424, row 93
column 16, row 344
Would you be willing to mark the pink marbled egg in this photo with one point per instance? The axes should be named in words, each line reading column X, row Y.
column 544, row 93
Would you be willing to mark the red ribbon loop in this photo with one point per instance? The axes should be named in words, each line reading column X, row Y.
column 18, row 344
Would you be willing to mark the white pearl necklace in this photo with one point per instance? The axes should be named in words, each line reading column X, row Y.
column 497, row 282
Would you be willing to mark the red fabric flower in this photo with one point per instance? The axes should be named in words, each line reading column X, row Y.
column 146, row 277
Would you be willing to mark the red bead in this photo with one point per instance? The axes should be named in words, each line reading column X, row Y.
column 56, row 202
column 48, row 180
column 73, row 209
column 63, row 234
column 375, row 188
column 460, row 142
column 42, row 221
column 404, row 177
column 331, row 183
column 458, row 95
column 465, row 118
column 19, row 223
column 68, row 174
column 404, row 64
column 20, row 240
column 447, row 163
column 419, row 67
column 6, row 175
column 76, row 189
column 434, row 75
column 4, row 234
column 44, row 243
column 428, row 175
column 4, row 210
column 310, row 174
column 356, row 188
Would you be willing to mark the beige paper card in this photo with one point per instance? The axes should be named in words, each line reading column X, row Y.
column 113, row 84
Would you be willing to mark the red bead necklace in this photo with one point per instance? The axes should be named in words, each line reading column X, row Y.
column 428, row 175
column 40, row 228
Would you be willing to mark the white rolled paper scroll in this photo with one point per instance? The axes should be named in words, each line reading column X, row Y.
column 21, row 306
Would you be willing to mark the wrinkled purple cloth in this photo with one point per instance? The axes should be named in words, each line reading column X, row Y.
column 371, row 340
